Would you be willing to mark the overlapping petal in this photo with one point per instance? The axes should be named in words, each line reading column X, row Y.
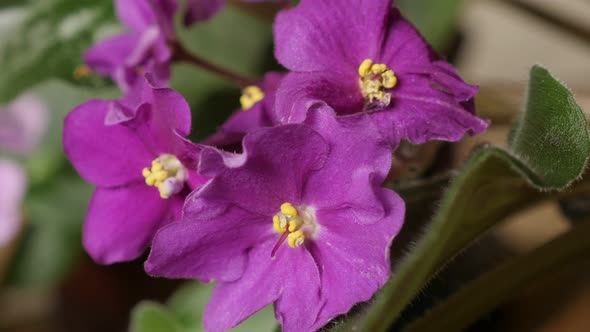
column 354, row 254
column 269, row 172
column 359, row 161
column 214, row 244
column 293, row 282
column 106, row 156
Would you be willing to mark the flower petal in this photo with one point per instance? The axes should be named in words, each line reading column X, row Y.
column 242, row 121
column 137, row 15
column 211, row 242
column 300, row 92
column 108, row 55
column 431, row 104
column 355, row 257
column 359, row 161
column 403, row 45
column 269, row 172
column 294, row 284
column 122, row 221
column 106, row 156
column 330, row 35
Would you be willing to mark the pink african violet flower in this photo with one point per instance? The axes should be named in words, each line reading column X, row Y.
column 14, row 183
column 142, row 49
column 256, row 112
column 133, row 150
column 315, row 186
column 363, row 56
column 22, row 124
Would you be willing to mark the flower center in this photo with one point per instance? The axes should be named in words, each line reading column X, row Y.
column 294, row 225
column 250, row 96
column 375, row 81
column 167, row 174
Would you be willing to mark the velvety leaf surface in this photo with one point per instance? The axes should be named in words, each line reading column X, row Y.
column 549, row 150
column 48, row 41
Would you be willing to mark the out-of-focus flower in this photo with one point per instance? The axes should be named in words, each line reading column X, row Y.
column 14, row 184
column 22, row 124
column 257, row 103
column 142, row 49
column 298, row 219
column 363, row 56
column 134, row 151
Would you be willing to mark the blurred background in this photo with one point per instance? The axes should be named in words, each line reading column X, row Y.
column 47, row 282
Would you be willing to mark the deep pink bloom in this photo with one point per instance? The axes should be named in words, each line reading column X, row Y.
column 134, row 151
column 14, row 184
column 363, row 56
column 256, row 112
column 315, row 186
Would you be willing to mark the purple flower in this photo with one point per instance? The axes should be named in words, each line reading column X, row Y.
column 362, row 56
column 14, row 184
column 315, row 186
column 256, row 112
column 142, row 49
column 133, row 150
column 22, row 124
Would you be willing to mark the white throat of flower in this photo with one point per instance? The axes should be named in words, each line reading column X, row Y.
column 167, row 174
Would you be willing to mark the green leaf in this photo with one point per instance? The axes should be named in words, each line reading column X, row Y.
column 463, row 308
column 49, row 42
column 234, row 39
column 492, row 185
column 152, row 317
column 435, row 19
column 184, row 312
column 54, row 214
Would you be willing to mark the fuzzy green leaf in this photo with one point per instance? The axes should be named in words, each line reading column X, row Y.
column 549, row 150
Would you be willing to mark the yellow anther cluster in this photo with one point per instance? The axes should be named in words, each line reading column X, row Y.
column 82, row 71
column 289, row 220
column 167, row 174
column 250, row 96
column 375, row 79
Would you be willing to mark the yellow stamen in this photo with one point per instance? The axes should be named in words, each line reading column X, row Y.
column 276, row 224
column 250, row 96
column 365, row 67
column 167, row 174
column 82, row 71
column 295, row 239
column 293, row 225
column 288, row 209
column 389, row 79
column 375, row 79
